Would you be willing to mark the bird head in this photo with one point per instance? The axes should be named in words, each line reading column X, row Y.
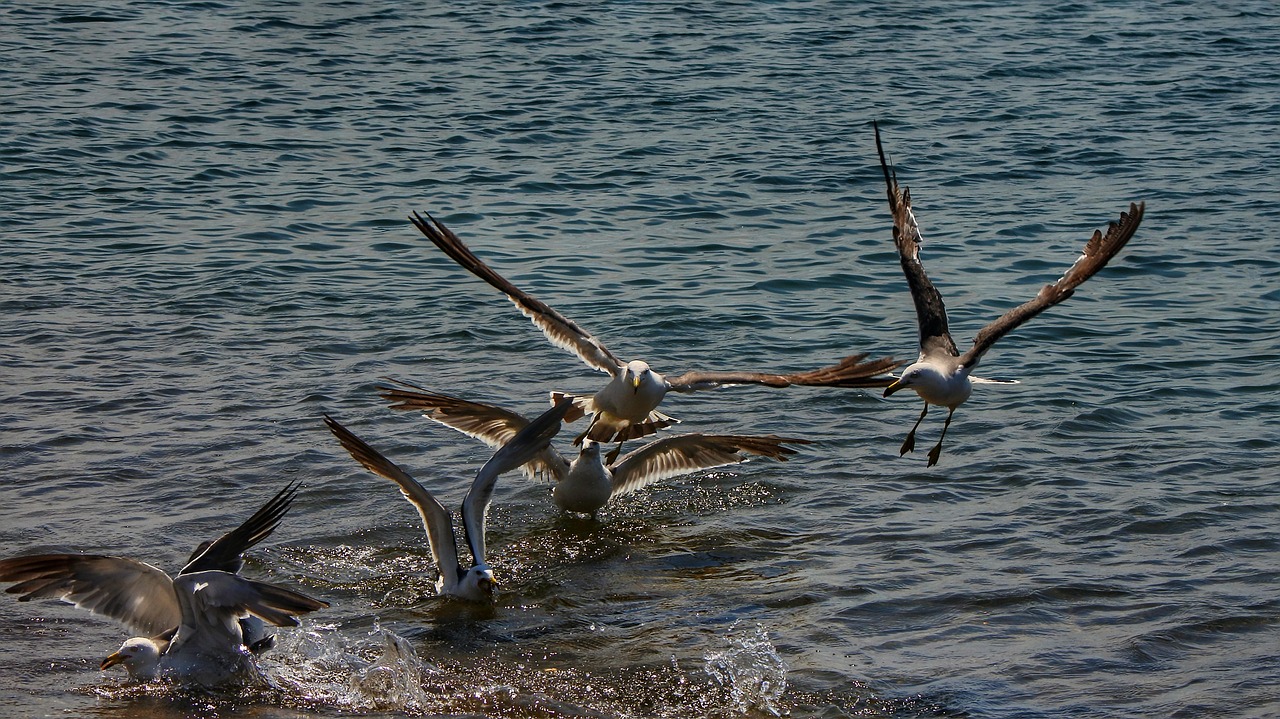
column 478, row 585
column 590, row 449
column 906, row 379
column 140, row 657
column 636, row 373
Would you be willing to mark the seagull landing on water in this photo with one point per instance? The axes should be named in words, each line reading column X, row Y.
column 590, row 481
column 475, row 583
column 942, row 374
column 203, row 626
column 626, row 408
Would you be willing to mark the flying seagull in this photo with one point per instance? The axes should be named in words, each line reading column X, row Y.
column 942, row 374
column 474, row 583
column 202, row 626
column 626, row 408
column 587, row 483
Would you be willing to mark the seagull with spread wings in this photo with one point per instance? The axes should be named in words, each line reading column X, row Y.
column 626, row 408
column 942, row 374
column 202, row 626
column 475, row 583
column 587, row 483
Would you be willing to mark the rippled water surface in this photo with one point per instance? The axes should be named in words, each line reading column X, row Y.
column 206, row 248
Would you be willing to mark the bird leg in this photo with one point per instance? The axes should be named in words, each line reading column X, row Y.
column 577, row 441
column 937, row 448
column 909, row 444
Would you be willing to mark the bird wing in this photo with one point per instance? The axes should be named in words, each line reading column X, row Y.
column 1097, row 252
column 435, row 518
column 526, row 443
column 492, row 425
column 213, row 602
column 224, row 553
column 681, row 454
column 931, row 313
column 848, row 372
column 134, row 593
column 562, row 331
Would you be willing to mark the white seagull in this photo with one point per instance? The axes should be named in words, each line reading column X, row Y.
column 942, row 374
column 203, row 626
column 475, row 583
column 590, row 481
column 626, row 408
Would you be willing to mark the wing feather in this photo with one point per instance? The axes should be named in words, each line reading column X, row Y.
column 435, row 518
column 682, row 454
column 931, row 313
column 133, row 593
column 224, row 553
column 1097, row 252
column 490, row 424
column 560, row 330
column 212, row 601
column 851, row 371
column 527, row 443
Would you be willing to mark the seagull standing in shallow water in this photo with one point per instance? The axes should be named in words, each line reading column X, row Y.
column 475, row 583
column 626, row 408
column 203, row 626
column 942, row 374
column 590, row 481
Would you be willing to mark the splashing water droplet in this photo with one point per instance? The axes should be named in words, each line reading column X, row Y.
column 751, row 669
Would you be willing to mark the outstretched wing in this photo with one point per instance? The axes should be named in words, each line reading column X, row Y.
column 562, row 331
column 681, row 454
column 435, row 518
column 224, row 553
column 492, row 425
column 134, row 593
column 931, row 313
column 848, row 372
column 1097, row 252
column 212, row 603
column 526, row 444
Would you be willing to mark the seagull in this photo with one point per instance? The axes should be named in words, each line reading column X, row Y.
column 203, row 626
column 475, row 583
column 626, row 408
column 942, row 374
column 590, row 481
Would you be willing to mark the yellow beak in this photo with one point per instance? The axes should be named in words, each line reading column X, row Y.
column 897, row 385
column 112, row 660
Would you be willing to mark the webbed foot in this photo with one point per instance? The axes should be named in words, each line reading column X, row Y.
column 934, row 454
column 909, row 444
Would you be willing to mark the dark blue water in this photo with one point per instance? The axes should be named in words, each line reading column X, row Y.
column 206, row 249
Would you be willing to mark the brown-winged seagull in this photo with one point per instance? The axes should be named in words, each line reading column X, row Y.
column 203, row 625
column 587, row 483
column 942, row 374
column 626, row 407
column 475, row 583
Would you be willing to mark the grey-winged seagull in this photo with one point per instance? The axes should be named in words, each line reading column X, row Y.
column 202, row 626
column 587, row 483
column 626, row 407
column 941, row 376
column 475, row 583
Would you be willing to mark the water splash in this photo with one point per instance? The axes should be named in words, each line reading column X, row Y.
column 380, row 672
column 750, row 669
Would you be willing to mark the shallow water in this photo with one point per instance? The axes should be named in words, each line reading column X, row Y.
column 207, row 249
